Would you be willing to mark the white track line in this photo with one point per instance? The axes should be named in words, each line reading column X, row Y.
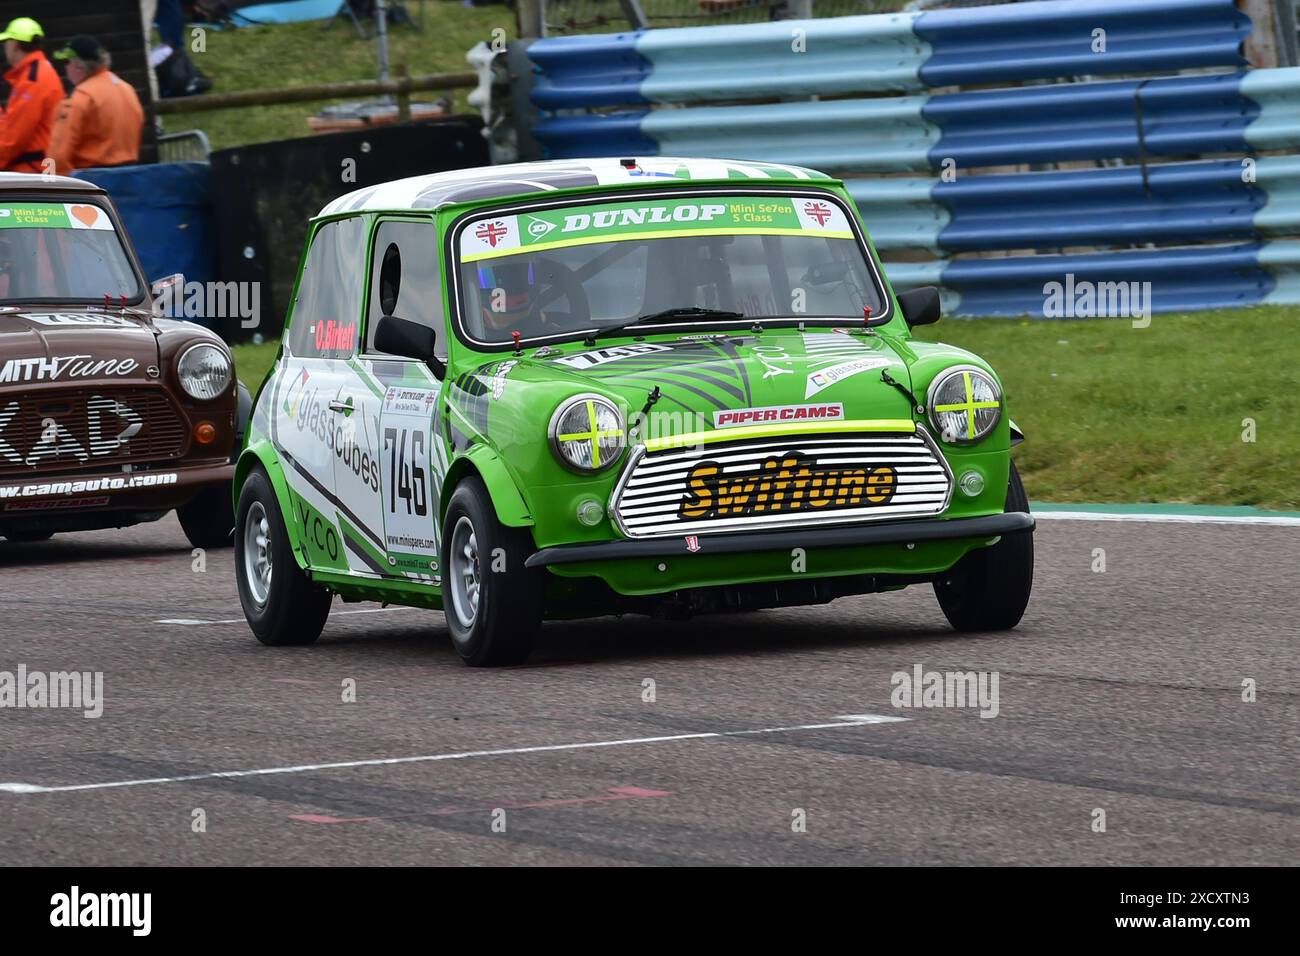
column 1280, row 520
column 844, row 720
column 190, row 622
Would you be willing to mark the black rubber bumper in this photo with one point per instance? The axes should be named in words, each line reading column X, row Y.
column 905, row 532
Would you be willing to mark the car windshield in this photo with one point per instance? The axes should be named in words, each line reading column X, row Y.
column 62, row 252
column 552, row 273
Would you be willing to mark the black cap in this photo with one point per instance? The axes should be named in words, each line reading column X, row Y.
column 83, row 47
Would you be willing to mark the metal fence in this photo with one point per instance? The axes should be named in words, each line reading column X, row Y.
column 1136, row 137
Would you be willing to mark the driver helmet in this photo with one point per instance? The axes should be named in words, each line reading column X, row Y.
column 507, row 293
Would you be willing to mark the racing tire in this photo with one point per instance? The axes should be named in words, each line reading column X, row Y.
column 282, row 605
column 493, row 603
column 988, row 589
column 209, row 520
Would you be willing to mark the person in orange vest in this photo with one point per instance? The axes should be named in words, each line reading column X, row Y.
column 100, row 124
column 37, row 91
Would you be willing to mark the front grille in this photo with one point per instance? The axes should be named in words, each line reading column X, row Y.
column 87, row 429
column 782, row 482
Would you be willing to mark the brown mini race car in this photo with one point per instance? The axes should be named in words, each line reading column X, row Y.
column 109, row 414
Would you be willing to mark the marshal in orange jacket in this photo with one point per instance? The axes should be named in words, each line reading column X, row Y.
column 28, row 119
column 98, row 125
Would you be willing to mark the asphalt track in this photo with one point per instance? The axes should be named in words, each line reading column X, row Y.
column 1121, row 691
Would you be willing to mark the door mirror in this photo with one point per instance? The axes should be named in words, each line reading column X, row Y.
column 409, row 339
column 168, row 295
column 400, row 337
column 920, row 306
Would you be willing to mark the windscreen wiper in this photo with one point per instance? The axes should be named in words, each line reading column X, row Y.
column 680, row 312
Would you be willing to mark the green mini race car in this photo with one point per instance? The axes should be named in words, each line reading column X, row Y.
column 586, row 387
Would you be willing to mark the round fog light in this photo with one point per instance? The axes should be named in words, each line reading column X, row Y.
column 971, row 484
column 590, row 512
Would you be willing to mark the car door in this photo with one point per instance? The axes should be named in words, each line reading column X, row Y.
column 405, row 281
column 317, row 423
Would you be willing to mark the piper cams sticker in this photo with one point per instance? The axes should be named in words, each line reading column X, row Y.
column 736, row 417
column 648, row 219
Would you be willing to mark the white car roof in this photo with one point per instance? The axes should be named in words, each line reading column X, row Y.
column 488, row 182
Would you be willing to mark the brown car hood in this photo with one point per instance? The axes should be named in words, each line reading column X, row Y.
column 42, row 345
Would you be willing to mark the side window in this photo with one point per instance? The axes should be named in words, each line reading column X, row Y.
column 328, row 306
column 405, row 279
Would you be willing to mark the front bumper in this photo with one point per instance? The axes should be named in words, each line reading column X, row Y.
column 68, row 502
column 898, row 532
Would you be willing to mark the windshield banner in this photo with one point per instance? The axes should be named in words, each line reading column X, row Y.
column 61, row 215
column 652, row 219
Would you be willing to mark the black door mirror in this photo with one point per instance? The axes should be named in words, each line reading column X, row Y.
column 409, row 339
column 920, row 306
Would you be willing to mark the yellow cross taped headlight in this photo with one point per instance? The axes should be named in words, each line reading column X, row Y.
column 587, row 433
column 964, row 404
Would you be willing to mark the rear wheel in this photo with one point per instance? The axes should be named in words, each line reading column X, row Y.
column 282, row 605
column 492, row 602
column 989, row 588
column 209, row 520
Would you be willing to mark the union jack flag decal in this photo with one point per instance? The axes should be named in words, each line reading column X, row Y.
column 490, row 232
column 819, row 211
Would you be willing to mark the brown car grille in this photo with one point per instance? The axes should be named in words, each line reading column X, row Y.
column 87, row 429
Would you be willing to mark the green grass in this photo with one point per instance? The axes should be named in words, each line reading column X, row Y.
column 252, row 362
column 1118, row 414
column 299, row 54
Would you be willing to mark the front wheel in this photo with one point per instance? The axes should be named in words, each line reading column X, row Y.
column 282, row 605
column 492, row 602
column 988, row 589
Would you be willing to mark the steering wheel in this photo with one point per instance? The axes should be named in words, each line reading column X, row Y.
column 557, row 281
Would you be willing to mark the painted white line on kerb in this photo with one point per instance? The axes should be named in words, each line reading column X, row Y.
column 1284, row 521
column 844, row 720
column 190, row 622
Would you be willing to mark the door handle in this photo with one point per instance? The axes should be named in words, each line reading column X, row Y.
column 336, row 406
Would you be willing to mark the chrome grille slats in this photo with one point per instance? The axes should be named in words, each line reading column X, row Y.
column 650, row 496
column 153, row 427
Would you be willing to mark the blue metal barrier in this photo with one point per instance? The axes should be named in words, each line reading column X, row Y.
column 683, row 93
column 886, row 52
column 167, row 210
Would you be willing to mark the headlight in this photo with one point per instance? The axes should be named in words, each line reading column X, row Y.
column 587, row 433
column 964, row 403
column 204, row 371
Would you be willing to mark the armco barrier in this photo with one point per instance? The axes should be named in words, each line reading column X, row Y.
column 1181, row 280
column 1179, row 116
column 1176, row 157
column 887, row 52
column 1213, row 200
